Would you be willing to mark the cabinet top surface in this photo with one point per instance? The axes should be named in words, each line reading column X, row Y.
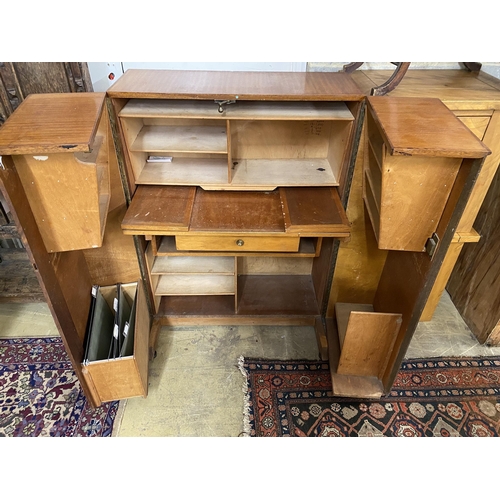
column 424, row 127
column 52, row 123
column 244, row 85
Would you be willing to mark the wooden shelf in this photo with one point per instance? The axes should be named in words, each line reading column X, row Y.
column 202, row 306
column 276, row 295
column 187, row 139
column 186, row 171
column 193, row 265
column 145, row 108
column 270, row 174
column 371, row 206
column 205, row 284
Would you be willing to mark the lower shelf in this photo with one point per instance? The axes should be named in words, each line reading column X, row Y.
column 276, row 296
column 185, row 284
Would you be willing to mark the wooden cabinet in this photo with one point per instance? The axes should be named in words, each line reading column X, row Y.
column 236, row 182
column 240, row 220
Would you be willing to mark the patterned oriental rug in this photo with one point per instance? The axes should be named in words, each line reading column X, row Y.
column 40, row 394
column 430, row 397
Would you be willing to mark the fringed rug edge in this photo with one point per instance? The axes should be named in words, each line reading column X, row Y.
column 246, row 398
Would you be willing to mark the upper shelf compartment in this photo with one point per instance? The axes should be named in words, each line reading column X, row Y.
column 250, row 145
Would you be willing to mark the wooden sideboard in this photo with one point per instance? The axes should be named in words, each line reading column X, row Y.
column 231, row 189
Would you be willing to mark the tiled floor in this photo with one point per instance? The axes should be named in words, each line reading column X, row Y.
column 196, row 388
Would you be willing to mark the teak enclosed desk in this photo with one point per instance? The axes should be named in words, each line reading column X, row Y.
column 236, row 186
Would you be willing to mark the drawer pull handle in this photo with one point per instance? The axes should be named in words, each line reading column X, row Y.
column 240, row 243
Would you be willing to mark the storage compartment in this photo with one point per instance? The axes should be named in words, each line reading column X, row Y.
column 366, row 339
column 260, row 285
column 237, row 243
column 127, row 376
column 166, row 245
column 406, row 187
column 68, row 185
column 249, row 145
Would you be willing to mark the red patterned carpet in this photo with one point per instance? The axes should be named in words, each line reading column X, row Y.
column 40, row 394
column 430, row 397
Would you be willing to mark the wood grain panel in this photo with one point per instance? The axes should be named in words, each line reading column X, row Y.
column 195, row 284
column 244, row 212
column 414, row 126
column 193, row 265
column 160, row 208
column 155, row 138
column 276, row 295
column 197, row 306
column 368, row 342
column 242, row 85
column 313, row 209
column 413, row 195
column 52, row 123
column 458, row 89
column 236, row 243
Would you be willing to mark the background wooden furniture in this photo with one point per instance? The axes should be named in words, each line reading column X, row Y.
column 475, row 99
column 20, row 79
column 473, row 281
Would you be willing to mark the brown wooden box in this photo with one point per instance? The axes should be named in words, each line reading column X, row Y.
column 410, row 168
column 125, row 377
column 60, row 145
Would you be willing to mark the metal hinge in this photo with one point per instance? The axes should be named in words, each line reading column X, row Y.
column 2, row 166
column 431, row 245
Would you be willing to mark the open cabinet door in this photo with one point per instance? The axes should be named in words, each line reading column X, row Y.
column 57, row 273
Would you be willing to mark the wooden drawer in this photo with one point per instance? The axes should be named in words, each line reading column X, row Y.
column 237, row 243
column 127, row 376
